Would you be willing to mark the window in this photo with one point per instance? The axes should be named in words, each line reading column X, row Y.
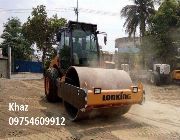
column 65, row 54
column 62, row 40
column 84, row 47
column 67, row 35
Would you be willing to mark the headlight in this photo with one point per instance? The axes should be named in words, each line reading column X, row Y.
column 97, row 90
column 135, row 89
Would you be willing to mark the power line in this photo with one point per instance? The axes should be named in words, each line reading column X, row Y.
column 1, row 9
column 83, row 10
column 99, row 12
column 30, row 10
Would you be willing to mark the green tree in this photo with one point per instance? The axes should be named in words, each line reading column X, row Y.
column 164, row 31
column 41, row 30
column 54, row 24
column 36, row 28
column 137, row 15
column 12, row 37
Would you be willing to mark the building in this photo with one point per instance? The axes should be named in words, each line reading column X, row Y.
column 127, row 51
column 107, row 56
column 127, row 44
column 3, row 65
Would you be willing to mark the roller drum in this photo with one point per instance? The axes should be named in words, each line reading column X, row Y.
column 85, row 77
column 90, row 78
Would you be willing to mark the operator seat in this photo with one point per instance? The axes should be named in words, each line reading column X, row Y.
column 76, row 59
column 77, row 51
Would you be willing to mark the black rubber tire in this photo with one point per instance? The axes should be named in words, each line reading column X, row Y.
column 168, row 80
column 152, row 78
column 116, row 111
column 155, row 79
column 51, row 92
column 125, row 109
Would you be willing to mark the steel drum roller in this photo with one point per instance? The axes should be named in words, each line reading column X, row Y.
column 90, row 78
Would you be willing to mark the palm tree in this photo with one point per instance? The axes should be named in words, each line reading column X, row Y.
column 137, row 15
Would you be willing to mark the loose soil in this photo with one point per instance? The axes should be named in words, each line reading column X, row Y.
column 157, row 119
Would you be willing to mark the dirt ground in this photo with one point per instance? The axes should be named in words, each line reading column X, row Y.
column 157, row 119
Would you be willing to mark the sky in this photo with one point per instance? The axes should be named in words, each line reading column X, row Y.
column 90, row 11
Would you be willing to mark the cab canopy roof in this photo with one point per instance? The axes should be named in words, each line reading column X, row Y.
column 81, row 25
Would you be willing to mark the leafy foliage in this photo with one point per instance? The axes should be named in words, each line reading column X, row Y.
column 137, row 15
column 54, row 24
column 164, row 31
column 35, row 29
column 41, row 30
column 13, row 37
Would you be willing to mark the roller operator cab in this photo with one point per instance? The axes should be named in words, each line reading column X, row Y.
column 78, row 45
column 76, row 77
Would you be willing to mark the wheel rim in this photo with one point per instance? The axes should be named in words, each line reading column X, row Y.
column 47, row 85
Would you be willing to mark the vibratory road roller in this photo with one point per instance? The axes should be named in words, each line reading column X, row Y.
column 78, row 78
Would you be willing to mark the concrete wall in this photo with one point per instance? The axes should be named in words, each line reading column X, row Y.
column 3, row 68
column 1, row 53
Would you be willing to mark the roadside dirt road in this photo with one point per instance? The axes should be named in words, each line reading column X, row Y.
column 157, row 119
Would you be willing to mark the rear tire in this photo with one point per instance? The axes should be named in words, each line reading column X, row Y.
column 155, row 79
column 124, row 110
column 50, row 85
column 168, row 80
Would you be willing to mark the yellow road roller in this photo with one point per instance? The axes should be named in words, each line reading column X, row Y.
column 78, row 78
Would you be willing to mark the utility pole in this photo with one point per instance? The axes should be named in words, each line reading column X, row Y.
column 9, row 62
column 76, row 10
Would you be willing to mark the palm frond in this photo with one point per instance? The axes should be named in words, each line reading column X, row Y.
column 137, row 15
